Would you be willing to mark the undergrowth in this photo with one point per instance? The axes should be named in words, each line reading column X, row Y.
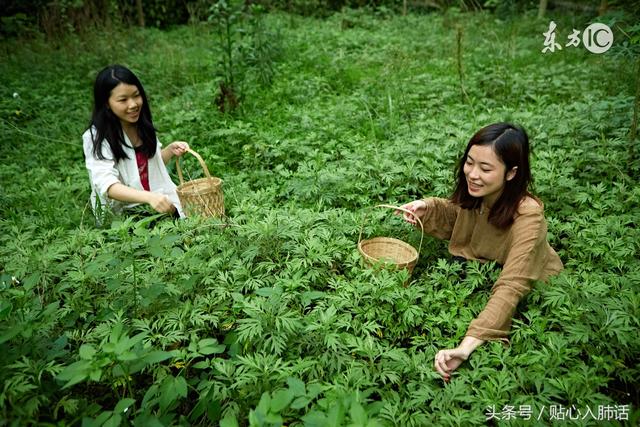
column 268, row 317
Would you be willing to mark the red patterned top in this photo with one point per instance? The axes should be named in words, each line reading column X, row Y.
column 143, row 168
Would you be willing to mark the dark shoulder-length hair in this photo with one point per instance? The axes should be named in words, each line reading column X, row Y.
column 107, row 125
column 511, row 144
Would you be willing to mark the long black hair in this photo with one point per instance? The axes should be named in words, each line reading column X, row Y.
column 511, row 144
column 107, row 125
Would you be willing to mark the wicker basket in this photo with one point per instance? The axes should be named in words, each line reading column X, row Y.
column 201, row 196
column 389, row 251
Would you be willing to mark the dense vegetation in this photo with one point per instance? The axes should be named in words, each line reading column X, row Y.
column 268, row 317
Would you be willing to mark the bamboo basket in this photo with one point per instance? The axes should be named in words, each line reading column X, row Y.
column 388, row 250
column 201, row 196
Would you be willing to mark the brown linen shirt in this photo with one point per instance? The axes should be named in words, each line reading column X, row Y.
column 522, row 249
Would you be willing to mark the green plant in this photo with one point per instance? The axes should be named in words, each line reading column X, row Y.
column 227, row 17
column 243, row 44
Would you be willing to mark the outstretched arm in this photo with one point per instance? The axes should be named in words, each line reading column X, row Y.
column 159, row 202
column 523, row 265
column 438, row 215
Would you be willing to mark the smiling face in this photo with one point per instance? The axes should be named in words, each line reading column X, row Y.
column 485, row 173
column 126, row 102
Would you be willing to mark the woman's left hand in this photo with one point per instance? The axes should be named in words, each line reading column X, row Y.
column 447, row 361
column 178, row 148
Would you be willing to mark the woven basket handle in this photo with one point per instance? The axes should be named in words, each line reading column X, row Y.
column 397, row 208
column 202, row 163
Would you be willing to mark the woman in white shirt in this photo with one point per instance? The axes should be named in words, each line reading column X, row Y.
column 122, row 153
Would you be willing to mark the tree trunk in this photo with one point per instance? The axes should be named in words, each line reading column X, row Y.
column 542, row 8
column 140, row 13
column 604, row 6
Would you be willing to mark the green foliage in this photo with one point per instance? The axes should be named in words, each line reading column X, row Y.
column 19, row 24
column 269, row 317
column 59, row 18
column 243, row 45
column 163, row 13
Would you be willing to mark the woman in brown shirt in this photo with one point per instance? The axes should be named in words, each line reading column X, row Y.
column 492, row 216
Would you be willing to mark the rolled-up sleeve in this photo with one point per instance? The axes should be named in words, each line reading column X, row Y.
column 524, row 264
column 102, row 173
column 439, row 217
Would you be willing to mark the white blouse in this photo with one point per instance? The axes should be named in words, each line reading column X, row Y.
column 104, row 173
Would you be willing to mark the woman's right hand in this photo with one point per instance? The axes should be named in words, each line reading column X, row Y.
column 161, row 203
column 418, row 207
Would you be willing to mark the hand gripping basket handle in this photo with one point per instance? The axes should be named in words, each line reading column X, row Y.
column 397, row 208
column 202, row 163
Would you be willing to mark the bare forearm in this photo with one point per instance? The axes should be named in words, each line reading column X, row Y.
column 158, row 201
column 167, row 154
column 127, row 194
column 469, row 344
